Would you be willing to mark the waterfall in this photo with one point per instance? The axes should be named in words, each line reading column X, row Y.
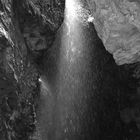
column 71, row 72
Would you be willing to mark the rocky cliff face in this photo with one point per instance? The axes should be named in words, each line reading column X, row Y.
column 118, row 25
column 27, row 29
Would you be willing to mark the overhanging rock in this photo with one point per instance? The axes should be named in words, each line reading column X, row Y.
column 118, row 25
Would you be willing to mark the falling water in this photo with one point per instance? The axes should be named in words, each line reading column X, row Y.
column 75, row 82
column 71, row 72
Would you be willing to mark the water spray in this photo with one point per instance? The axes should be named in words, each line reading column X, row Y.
column 44, row 86
column 76, row 11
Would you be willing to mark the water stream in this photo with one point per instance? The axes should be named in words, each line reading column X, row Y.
column 69, row 108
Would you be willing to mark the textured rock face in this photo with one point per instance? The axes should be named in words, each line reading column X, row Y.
column 118, row 25
column 27, row 29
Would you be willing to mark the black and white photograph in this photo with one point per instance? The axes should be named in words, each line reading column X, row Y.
column 69, row 69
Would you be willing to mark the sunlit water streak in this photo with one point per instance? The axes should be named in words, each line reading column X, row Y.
column 76, row 11
column 44, row 86
column 75, row 14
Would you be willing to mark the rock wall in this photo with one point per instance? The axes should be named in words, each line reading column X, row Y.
column 117, row 24
column 27, row 29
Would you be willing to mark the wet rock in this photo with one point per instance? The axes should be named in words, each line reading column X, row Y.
column 27, row 29
column 118, row 25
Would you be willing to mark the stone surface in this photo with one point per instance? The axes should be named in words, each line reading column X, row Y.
column 27, row 29
column 118, row 25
